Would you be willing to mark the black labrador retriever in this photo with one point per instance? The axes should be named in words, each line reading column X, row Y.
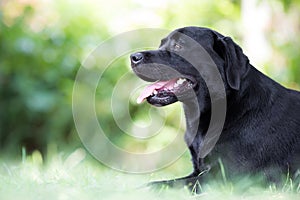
column 260, row 131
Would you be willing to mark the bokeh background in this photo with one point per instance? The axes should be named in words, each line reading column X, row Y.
column 44, row 42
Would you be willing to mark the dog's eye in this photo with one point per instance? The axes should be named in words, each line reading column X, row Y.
column 177, row 46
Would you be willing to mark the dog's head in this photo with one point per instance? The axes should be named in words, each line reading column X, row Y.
column 187, row 63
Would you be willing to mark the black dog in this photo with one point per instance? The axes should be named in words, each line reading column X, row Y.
column 260, row 131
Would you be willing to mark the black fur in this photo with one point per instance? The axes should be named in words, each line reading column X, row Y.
column 261, row 133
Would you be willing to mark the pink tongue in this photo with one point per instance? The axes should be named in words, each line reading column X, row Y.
column 155, row 86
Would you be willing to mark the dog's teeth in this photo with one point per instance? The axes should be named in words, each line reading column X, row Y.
column 180, row 81
column 155, row 92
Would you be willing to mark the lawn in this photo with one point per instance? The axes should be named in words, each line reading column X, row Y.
column 78, row 176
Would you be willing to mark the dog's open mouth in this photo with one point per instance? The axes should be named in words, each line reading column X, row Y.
column 162, row 93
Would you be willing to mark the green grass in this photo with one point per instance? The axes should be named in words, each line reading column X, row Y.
column 77, row 176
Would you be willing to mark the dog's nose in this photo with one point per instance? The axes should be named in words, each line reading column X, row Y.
column 136, row 58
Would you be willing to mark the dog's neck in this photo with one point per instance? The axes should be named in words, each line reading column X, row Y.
column 257, row 85
column 238, row 104
column 192, row 115
column 197, row 121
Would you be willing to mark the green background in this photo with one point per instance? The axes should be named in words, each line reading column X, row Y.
column 43, row 43
column 42, row 46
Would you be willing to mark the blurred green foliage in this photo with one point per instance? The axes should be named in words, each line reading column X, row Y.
column 41, row 49
column 38, row 63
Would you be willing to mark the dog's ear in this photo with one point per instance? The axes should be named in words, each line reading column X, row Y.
column 236, row 62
